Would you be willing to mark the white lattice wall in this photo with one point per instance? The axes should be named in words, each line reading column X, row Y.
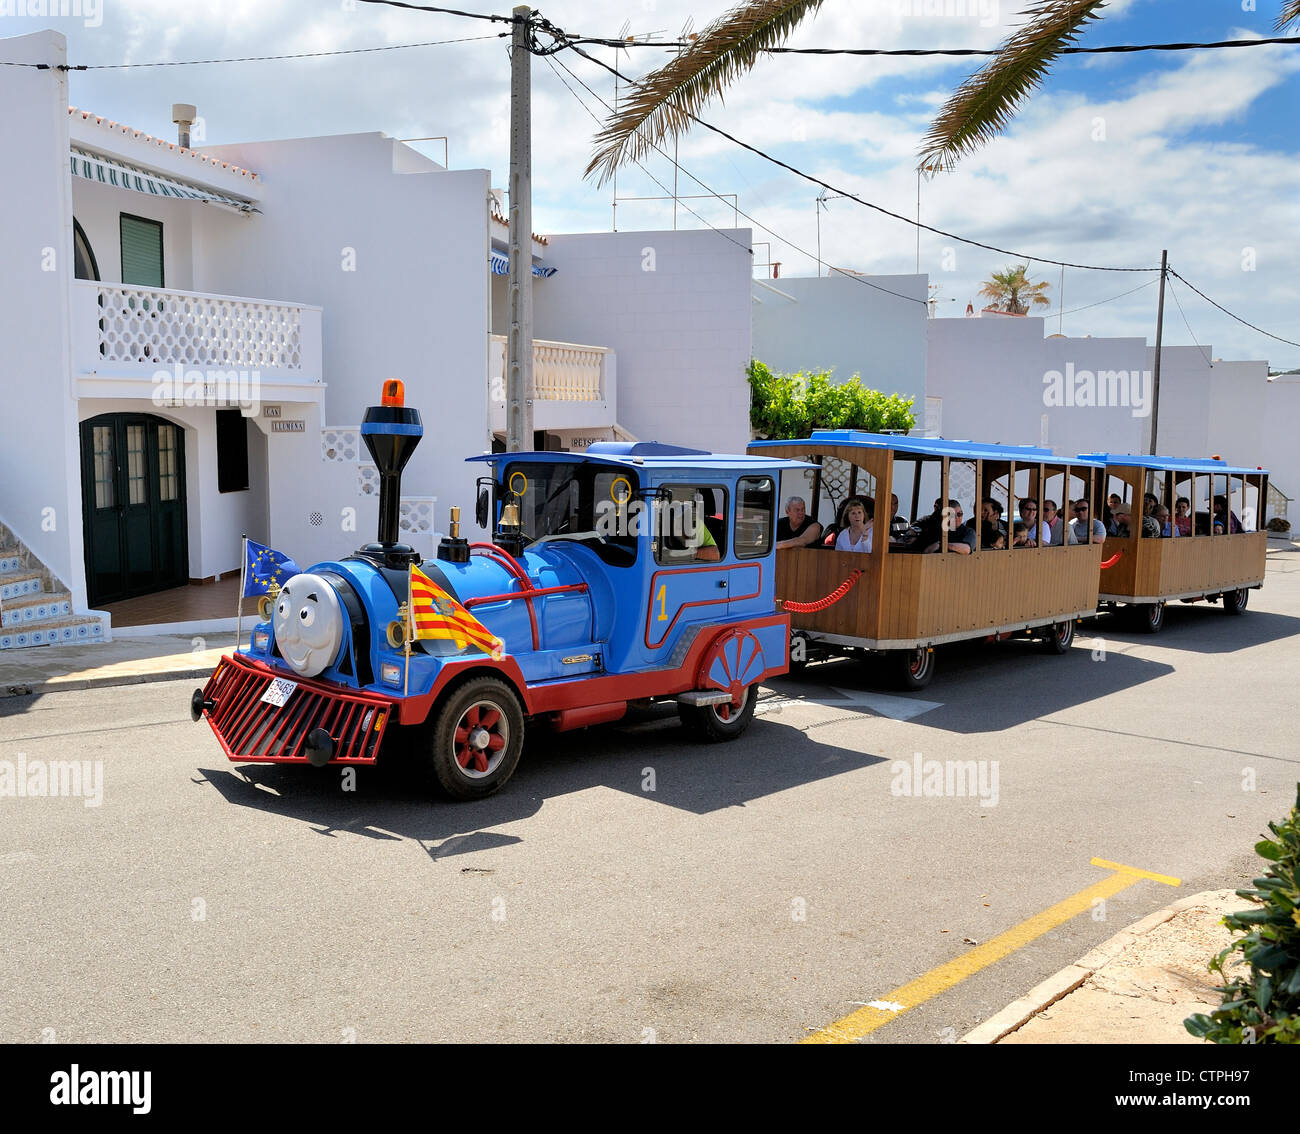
column 338, row 444
column 154, row 325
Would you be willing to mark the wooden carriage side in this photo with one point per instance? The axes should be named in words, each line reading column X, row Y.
column 1204, row 563
column 901, row 600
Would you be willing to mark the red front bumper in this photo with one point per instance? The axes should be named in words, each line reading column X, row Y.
column 250, row 729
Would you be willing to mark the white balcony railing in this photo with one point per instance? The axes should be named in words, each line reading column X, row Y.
column 124, row 331
column 562, row 372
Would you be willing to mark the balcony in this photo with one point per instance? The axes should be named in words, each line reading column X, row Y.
column 575, row 385
column 127, row 339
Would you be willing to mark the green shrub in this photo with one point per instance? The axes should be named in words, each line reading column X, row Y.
column 793, row 405
column 1261, row 995
column 1278, row 524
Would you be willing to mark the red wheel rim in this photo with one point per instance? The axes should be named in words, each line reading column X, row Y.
column 480, row 740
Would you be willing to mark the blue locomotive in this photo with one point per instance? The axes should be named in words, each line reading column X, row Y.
column 623, row 575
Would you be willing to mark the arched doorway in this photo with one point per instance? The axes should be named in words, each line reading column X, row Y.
column 133, row 504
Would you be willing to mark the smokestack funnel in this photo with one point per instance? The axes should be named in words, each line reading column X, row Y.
column 183, row 114
column 391, row 432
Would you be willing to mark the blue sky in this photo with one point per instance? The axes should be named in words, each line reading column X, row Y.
column 1115, row 158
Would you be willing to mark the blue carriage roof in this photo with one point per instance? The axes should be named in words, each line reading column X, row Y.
column 932, row 447
column 1173, row 464
column 651, row 455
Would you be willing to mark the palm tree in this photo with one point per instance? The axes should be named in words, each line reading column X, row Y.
column 665, row 102
column 1011, row 291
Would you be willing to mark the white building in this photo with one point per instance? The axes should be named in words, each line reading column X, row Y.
column 191, row 338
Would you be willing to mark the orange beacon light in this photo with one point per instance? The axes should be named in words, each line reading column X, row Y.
column 394, row 392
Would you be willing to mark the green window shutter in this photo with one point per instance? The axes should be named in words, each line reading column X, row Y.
column 142, row 252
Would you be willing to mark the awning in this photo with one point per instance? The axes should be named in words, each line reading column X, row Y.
column 107, row 171
column 501, row 266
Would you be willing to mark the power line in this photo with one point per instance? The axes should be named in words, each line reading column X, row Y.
column 1100, row 302
column 1212, row 303
column 708, row 189
column 853, row 196
column 1188, row 325
column 264, row 58
column 442, row 11
column 956, row 51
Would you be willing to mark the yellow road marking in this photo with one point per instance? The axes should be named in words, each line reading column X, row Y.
column 893, row 1004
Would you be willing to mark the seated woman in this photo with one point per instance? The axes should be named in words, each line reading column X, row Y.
column 859, row 521
column 1183, row 515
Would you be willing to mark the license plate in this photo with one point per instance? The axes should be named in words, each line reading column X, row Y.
column 277, row 693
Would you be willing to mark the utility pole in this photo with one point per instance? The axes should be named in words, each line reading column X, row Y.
column 1160, row 326
column 519, row 343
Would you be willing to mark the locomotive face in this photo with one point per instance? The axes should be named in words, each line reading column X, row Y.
column 308, row 623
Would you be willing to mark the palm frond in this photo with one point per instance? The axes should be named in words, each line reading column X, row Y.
column 982, row 106
column 660, row 105
column 1289, row 15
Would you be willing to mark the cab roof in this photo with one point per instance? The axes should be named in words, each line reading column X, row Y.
column 1174, row 464
column 932, row 447
column 651, row 456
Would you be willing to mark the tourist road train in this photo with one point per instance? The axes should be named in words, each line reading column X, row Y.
column 642, row 572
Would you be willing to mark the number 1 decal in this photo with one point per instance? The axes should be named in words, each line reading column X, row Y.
column 662, row 599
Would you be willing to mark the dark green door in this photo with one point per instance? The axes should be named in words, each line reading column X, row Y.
column 133, row 497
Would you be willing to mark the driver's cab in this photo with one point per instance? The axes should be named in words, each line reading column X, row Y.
column 669, row 539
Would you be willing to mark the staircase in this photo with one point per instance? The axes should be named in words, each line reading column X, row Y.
column 35, row 609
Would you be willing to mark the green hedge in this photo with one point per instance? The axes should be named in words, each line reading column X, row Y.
column 793, row 405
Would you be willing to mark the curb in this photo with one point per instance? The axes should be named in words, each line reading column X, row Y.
column 1019, row 1012
column 40, row 688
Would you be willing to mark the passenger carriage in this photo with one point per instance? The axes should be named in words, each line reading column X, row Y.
column 1217, row 552
column 630, row 573
column 900, row 600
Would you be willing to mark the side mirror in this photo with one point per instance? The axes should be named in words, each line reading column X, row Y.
column 481, row 508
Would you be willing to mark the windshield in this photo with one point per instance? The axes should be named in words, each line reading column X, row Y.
column 574, row 501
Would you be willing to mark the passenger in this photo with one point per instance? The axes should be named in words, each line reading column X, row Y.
column 1150, row 525
column 1020, row 535
column 859, row 522
column 1120, row 522
column 1183, row 515
column 1059, row 531
column 1080, row 526
column 1168, row 529
column 1037, row 535
column 898, row 525
column 1112, row 506
column 989, row 525
column 1221, row 510
column 961, row 537
column 796, row 528
column 699, row 540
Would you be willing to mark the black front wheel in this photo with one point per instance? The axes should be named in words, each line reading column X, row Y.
column 1150, row 617
column 478, row 736
column 1234, row 602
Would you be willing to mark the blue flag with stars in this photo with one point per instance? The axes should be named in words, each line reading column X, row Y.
column 264, row 566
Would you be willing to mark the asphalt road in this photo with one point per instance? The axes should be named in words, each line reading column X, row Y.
column 627, row 886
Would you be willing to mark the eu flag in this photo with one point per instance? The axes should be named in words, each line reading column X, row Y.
column 264, row 566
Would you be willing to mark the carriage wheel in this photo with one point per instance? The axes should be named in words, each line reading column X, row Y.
column 720, row 722
column 1150, row 617
column 912, row 668
column 1060, row 637
column 1234, row 602
column 478, row 736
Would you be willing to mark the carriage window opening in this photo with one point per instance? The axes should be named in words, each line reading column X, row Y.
column 690, row 523
column 755, row 507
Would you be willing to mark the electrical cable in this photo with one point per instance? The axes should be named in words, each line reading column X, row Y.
column 1204, row 353
column 952, row 51
column 1086, row 306
column 708, row 189
column 1212, row 303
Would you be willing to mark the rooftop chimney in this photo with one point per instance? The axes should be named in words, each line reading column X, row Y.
column 183, row 114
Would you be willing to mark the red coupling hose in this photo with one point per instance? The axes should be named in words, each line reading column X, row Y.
column 1111, row 561
column 822, row 603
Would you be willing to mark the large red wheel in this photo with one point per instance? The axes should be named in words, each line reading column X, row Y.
column 477, row 738
column 734, row 664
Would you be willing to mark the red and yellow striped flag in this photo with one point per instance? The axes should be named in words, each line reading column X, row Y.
column 436, row 614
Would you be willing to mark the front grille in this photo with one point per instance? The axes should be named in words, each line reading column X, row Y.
column 250, row 729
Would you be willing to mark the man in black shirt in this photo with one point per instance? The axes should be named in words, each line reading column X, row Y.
column 796, row 528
